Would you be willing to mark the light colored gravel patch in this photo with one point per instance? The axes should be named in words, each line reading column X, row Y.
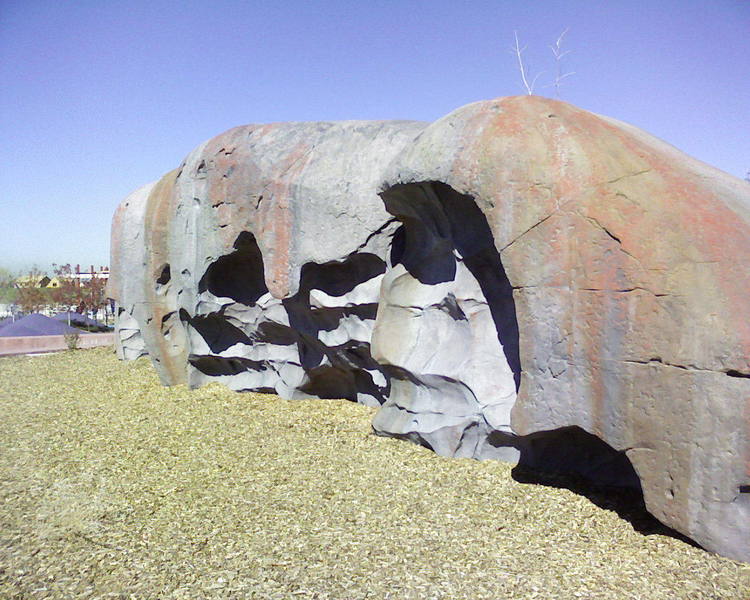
column 116, row 487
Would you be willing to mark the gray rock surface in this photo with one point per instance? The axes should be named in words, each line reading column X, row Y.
column 263, row 265
column 616, row 294
column 454, row 374
column 535, row 283
column 127, row 265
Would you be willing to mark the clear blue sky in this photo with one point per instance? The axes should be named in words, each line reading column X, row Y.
column 100, row 97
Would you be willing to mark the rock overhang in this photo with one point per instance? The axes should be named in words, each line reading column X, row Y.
column 619, row 249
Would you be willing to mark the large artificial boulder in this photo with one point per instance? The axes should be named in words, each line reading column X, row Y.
column 545, row 285
column 258, row 262
column 612, row 266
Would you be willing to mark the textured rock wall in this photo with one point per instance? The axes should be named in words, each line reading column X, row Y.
column 258, row 262
column 535, row 283
column 625, row 258
column 127, row 272
column 446, row 326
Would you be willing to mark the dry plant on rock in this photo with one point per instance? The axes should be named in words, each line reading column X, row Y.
column 518, row 51
column 557, row 52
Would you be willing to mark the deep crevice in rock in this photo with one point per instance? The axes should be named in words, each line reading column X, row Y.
column 344, row 372
column 164, row 276
column 328, row 319
column 451, row 307
column 218, row 333
column 239, row 275
column 338, row 278
column 218, row 365
column 335, row 371
column 270, row 332
column 573, row 450
column 331, row 383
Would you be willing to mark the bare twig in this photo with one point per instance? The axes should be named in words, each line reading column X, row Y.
column 559, row 54
column 518, row 51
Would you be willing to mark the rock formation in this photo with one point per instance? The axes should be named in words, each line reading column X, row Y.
column 551, row 287
column 258, row 262
column 127, row 272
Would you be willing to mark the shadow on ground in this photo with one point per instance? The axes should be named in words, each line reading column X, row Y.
column 626, row 502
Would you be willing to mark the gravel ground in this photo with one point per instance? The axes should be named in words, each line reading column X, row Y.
column 115, row 487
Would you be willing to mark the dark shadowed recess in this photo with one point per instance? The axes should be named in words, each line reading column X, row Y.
column 270, row 332
column 239, row 275
column 216, row 330
column 330, row 383
column 573, row 459
column 346, row 374
column 337, row 278
column 333, row 372
column 164, row 276
column 328, row 319
column 436, row 221
column 219, row 365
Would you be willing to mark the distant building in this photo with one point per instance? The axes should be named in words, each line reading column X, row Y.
column 32, row 281
column 45, row 281
column 101, row 273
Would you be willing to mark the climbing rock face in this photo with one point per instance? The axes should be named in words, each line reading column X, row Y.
column 520, row 280
column 615, row 283
column 262, row 259
column 446, row 329
column 127, row 265
column 145, row 322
